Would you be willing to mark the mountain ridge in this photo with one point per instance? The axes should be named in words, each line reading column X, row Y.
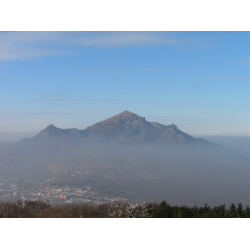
column 123, row 127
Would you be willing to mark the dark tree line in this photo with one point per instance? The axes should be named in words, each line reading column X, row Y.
column 39, row 209
column 164, row 210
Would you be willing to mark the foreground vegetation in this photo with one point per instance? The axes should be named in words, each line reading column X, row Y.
column 39, row 209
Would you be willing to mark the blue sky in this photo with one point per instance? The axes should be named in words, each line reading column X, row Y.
column 198, row 80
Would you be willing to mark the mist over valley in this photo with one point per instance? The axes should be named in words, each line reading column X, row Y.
column 128, row 158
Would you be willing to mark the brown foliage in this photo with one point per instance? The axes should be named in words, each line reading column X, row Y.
column 39, row 209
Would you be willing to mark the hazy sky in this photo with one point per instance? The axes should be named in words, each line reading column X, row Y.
column 198, row 80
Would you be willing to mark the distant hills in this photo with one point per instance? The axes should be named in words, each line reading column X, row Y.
column 125, row 127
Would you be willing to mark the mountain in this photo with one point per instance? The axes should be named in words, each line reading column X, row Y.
column 125, row 127
column 128, row 126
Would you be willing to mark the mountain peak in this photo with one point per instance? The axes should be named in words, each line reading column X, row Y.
column 51, row 126
column 173, row 126
column 125, row 115
column 126, row 112
column 121, row 123
column 49, row 131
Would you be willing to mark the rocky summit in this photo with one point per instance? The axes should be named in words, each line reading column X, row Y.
column 122, row 123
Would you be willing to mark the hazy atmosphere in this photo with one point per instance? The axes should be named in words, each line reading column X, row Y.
column 134, row 117
column 196, row 80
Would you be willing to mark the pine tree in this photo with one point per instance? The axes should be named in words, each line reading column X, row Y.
column 240, row 210
column 247, row 212
column 232, row 208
